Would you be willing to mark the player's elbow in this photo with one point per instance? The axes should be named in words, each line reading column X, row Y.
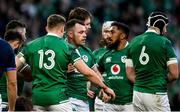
column 173, row 71
column 175, row 74
column 130, row 73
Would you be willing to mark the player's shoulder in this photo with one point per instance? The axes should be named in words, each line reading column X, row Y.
column 35, row 41
column 101, row 49
column 85, row 48
column 5, row 46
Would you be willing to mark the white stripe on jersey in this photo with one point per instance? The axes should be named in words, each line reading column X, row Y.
column 21, row 57
column 172, row 61
column 129, row 63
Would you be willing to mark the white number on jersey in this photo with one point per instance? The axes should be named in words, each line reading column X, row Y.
column 144, row 57
column 50, row 59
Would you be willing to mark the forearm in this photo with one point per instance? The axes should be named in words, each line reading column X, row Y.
column 94, row 78
column 130, row 73
column 12, row 94
column 97, row 72
column 173, row 72
column 171, row 78
column 89, row 73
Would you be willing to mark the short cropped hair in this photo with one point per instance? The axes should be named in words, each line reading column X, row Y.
column 122, row 26
column 11, row 35
column 13, row 24
column 80, row 14
column 54, row 20
column 71, row 23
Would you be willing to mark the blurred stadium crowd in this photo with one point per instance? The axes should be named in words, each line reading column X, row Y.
column 133, row 12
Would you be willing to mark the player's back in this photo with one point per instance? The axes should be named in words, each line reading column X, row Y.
column 149, row 54
column 48, row 57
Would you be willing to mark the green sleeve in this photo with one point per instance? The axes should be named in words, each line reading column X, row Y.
column 169, row 50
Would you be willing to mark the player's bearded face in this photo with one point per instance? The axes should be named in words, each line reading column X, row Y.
column 105, row 35
column 114, row 40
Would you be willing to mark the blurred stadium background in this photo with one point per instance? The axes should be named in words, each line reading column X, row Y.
column 133, row 12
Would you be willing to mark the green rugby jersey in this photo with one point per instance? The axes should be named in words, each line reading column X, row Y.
column 150, row 53
column 48, row 57
column 98, row 53
column 77, row 82
column 113, row 63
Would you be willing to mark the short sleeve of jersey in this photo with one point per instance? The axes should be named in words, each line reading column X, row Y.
column 73, row 54
column 23, row 52
column 170, row 51
column 9, row 59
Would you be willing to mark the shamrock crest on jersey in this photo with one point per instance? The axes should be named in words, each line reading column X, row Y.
column 123, row 58
column 115, row 69
column 85, row 58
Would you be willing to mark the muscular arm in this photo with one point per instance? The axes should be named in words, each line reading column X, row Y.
column 173, row 72
column 130, row 72
column 11, row 88
column 92, row 76
column 19, row 62
column 89, row 73
column 97, row 72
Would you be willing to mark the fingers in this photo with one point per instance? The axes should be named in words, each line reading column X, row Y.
column 90, row 93
column 111, row 93
column 70, row 68
column 105, row 98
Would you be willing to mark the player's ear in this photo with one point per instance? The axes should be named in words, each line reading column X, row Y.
column 46, row 29
column 70, row 34
column 62, row 29
column 123, row 36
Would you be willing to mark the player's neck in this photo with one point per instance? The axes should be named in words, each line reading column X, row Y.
column 72, row 43
column 122, row 45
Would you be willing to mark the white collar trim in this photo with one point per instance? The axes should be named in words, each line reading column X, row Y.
column 151, row 30
column 53, row 34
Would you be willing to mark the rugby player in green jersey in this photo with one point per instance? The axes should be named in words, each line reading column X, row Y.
column 48, row 57
column 151, row 63
column 77, row 83
column 113, row 64
column 97, row 55
column 85, row 16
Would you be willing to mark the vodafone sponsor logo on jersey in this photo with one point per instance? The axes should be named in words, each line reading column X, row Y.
column 115, row 69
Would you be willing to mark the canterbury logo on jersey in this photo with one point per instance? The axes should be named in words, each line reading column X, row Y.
column 108, row 59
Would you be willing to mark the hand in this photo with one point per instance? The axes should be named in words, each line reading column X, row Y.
column 110, row 92
column 105, row 97
column 90, row 93
column 70, row 68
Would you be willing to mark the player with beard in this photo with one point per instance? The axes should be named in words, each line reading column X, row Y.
column 48, row 57
column 95, row 102
column 113, row 64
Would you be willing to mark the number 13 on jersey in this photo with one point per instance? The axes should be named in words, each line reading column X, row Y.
column 50, row 55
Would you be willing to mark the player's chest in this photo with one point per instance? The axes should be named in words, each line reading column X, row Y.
column 114, row 64
column 86, row 56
